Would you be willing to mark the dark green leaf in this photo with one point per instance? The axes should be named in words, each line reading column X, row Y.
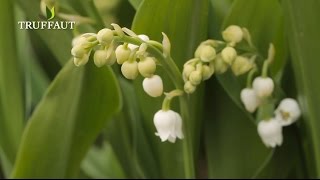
column 11, row 91
column 67, row 121
column 303, row 34
column 185, row 23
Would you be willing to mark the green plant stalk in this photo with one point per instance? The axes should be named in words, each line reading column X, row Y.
column 175, row 75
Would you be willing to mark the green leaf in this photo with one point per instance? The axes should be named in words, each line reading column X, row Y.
column 11, row 91
column 303, row 35
column 66, row 122
column 128, row 137
column 185, row 23
column 233, row 147
column 135, row 3
column 101, row 162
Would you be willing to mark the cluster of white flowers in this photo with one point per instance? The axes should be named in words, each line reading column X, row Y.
column 134, row 60
column 217, row 56
column 288, row 111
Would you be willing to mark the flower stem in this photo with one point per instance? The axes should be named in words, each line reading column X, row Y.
column 265, row 69
column 175, row 75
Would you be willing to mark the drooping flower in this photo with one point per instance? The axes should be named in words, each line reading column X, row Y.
column 249, row 99
column 130, row 69
column 270, row 132
column 263, row 86
column 288, row 112
column 153, row 86
column 105, row 36
column 168, row 125
column 122, row 54
column 228, row 55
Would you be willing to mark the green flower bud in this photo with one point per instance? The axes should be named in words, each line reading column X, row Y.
column 78, row 51
column 228, row 55
column 187, row 70
column 220, row 66
column 105, row 36
column 206, row 53
column 147, row 67
column 189, row 87
column 130, row 69
column 81, row 61
column 195, row 77
column 122, row 54
column 233, row 34
column 241, row 65
column 103, row 57
column 207, row 71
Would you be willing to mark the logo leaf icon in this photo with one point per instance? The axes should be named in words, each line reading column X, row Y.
column 50, row 13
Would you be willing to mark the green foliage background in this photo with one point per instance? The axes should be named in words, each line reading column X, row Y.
column 60, row 121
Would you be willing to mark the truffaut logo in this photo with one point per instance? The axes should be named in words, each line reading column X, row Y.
column 47, row 23
column 50, row 13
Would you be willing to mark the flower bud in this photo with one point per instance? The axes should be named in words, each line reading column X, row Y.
column 187, row 70
column 228, row 55
column 122, row 54
column 78, row 40
column 263, row 86
column 78, row 51
column 207, row 71
column 241, row 65
column 249, row 99
column 147, row 66
column 288, row 112
column 232, row 34
column 103, row 57
column 142, row 37
column 195, row 77
column 81, row 61
column 206, row 53
column 130, row 69
column 189, row 88
column 105, row 36
column 153, row 86
column 220, row 66
column 270, row 131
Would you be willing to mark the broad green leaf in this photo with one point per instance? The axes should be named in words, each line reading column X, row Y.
column 128, row 137
column 66, row 122
column 11, row 91
column 233, row 146
column 58, row 41
column 185, row 23
column 101, row 162
column 303, row 35
column 264, row 21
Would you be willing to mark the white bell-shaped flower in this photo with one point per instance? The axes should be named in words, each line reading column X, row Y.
column 249, row 99
column 263, row 86
column 270, row 132
column 153, row 86
column 168, row 125
column 142, row 37
column 288, row 112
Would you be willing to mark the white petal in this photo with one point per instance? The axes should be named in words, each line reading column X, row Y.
column 153, row 86
column 172, row 139
column 178, row 126
column 142, row 37
column 288, row 111
column 263, row 86
column 270, row 132
column 249, row 99
column 164, row 123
